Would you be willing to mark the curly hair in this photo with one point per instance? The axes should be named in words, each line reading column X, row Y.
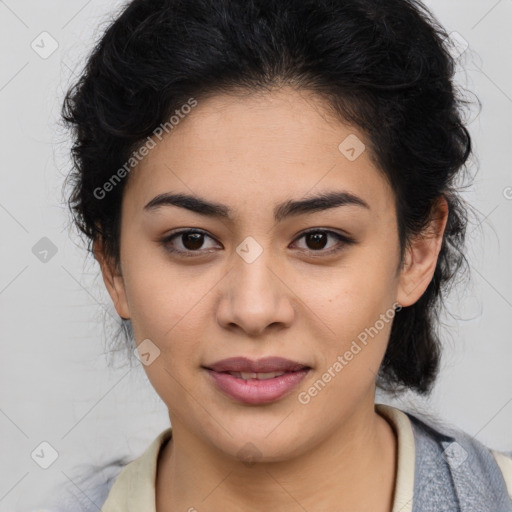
column 385, row 67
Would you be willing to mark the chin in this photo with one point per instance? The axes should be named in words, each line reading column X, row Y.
column 258, row 446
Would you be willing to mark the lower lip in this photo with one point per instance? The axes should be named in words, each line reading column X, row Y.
column 254, row 391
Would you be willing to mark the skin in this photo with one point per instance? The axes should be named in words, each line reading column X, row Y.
column 336, row 452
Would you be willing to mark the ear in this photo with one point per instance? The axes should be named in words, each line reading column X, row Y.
column 421, row 256
column 113, row 280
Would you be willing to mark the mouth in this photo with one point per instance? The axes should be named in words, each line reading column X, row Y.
column 256, row 381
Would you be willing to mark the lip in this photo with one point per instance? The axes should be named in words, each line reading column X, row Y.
column 266, row 364
column 254, row 391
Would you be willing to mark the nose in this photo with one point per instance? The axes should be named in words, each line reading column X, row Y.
column 255, row 297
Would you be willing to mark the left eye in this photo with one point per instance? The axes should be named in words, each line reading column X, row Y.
column 317, row 239
column 192, row 241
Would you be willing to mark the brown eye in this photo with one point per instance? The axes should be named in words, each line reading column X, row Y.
column 192, row 241
column 317, row 240
column 187, row 242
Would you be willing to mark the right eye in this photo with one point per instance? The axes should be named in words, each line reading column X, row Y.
column 189, row 240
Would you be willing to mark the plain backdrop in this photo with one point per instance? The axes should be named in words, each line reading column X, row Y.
column 55, row 384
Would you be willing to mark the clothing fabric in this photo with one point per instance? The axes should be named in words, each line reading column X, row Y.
column 439, row 469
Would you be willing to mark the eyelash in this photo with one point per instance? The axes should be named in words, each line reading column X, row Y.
column 345, row 241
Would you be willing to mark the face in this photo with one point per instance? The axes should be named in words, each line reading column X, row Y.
column 256, row 277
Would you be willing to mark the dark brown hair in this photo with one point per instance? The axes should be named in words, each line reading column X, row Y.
column 384, row 66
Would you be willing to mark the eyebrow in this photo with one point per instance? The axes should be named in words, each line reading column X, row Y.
column 321, row 202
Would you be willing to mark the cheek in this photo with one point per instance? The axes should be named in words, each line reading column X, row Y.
column 168, row 307
column 358, row 292
column 361, row 317
column 163, row 298
column 358, row 307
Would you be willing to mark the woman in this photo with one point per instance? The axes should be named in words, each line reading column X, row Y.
column 269, row 189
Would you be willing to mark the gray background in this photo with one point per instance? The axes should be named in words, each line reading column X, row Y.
column 56, row 385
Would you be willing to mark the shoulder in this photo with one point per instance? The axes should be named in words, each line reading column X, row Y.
column 87, row 491
column 111, row 484
column 504, row 461
column 472, row 469
column 134, row 486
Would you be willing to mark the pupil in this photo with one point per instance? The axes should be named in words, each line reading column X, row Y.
column 193, row 240
column 316, row 239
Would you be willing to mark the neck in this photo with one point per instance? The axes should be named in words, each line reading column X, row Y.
column 353, row 469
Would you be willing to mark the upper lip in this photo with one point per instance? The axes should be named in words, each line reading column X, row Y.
column 264, row 365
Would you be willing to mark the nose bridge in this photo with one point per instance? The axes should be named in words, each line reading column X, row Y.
column 252, row 269
column 255, row 296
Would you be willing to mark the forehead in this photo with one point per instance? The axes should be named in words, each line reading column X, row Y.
column 254, row 150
